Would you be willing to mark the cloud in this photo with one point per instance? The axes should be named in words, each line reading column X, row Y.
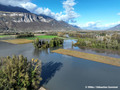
column 118, row 14
column 67, row 15
column 97, row 25
column 20, row 3
column 45, row 11
column 13, row 2
column 70, row 14
column 29, row 6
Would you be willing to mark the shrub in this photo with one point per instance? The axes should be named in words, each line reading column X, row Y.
column 38, row 44
column 24, row 35
column 17, row 73
column 60, row 34
column 56, row 42
column 52, row 33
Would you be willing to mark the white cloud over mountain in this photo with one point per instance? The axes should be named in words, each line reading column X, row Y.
column 48, row 12
column 20, row 3
column 13, row 2
column 29, row 6
column 67, row 15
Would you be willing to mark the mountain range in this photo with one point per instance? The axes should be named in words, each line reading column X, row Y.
column 12, row 9
column 115, row 28
column 20, row 19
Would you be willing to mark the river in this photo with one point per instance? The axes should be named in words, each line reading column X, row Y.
column 62, row 72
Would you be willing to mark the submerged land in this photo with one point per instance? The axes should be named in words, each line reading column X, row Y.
column 18, row 41
column 88, row 56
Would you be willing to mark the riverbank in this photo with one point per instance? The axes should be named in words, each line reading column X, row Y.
column 88, row 56
column 42, row 88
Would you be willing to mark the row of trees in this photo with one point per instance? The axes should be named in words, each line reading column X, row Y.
column 41, row 44
column 24, row 35
column 81, row 35
column 16, row 73
column 116, row 37
column 59, row 34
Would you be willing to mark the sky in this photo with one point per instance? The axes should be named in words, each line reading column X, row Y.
column 87, row 14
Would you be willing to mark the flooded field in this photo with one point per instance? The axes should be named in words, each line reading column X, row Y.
column 62, row 72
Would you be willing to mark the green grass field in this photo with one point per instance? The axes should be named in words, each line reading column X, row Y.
column 27, row 39
column 32, row 38
column 41, row 37
column 2, row 36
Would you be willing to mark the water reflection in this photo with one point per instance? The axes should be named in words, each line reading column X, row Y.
column 104, row 52
column 48, row 71
column 68, row 44
column 37, row 52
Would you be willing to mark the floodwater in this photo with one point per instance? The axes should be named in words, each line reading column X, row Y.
column 62, row 72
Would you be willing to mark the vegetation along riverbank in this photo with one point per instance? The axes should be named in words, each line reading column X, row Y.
column 17, row 73
column 98, row 40
column 42, row 44
column 92, row 57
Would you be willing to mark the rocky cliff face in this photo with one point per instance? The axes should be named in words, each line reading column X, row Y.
column 22, row 17
column 17, row 21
